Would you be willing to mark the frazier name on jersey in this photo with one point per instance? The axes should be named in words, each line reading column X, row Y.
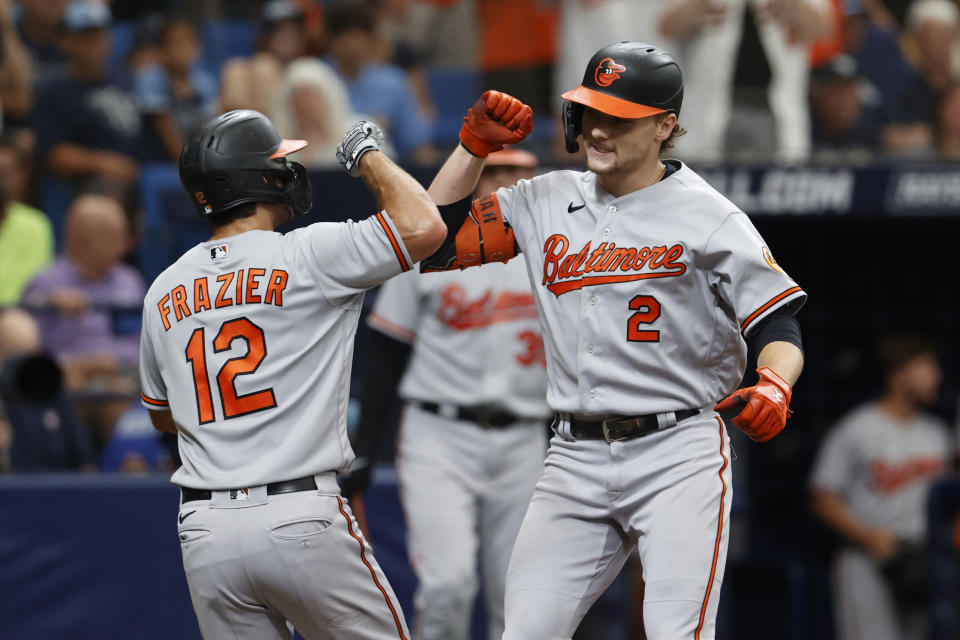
column 564, row 272
column 244, row 286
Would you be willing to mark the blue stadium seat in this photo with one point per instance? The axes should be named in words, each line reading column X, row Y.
column 55, row 197
column 454, row 91
column 170, row 225
column 122, row 35
column 224, row 39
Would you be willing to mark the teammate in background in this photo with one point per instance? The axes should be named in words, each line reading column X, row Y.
column 648, row 282
column 870, row 484
column 469, row 350
column 246, row 351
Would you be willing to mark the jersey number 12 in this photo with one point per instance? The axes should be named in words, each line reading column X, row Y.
column 233, row 406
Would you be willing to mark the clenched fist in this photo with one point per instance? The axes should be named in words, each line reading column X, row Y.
column 360, row 138
column 494, row 120
column 764, row 406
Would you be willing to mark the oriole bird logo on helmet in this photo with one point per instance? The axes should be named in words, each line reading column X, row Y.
column 608, row 71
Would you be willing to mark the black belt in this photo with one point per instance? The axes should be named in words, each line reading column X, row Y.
column 290, row 486
column 486, row 417
column 620, row 428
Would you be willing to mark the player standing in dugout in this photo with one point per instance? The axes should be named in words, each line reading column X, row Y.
column 648, row 284
column 245, row 353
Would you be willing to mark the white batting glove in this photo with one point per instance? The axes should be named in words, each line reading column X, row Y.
column 360, row 138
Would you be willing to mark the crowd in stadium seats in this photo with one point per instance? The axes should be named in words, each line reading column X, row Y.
column 97, row 96
column 94, row 94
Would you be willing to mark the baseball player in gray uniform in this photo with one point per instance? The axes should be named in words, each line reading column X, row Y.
column 470, row 352
column 870, row 485
column 245, row 353
column 648, row 283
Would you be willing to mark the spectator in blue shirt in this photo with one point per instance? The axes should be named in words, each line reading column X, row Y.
column 378, row 90
column 175, row 95
column 86, row 126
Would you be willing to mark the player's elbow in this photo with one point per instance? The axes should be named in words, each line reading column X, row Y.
column 427, row 235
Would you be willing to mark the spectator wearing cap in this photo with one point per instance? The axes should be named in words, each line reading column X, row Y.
column 845, row 110
column 931, row 44
column 932, row 41
column 87, row 127
column 26, row 237
column 252, row 83
column 381, row 91
column 176, row 95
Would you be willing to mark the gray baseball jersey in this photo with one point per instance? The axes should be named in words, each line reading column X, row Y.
column 476, row 337
column 644, row 297
column 884, row 467
column 249, row 341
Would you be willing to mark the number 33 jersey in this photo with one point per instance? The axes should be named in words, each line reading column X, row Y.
column 645, row 297
column 475, row 334
column 248, row 340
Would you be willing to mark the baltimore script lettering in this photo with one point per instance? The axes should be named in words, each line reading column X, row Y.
column 563, row 271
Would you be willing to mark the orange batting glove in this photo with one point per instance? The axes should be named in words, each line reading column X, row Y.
column 494, row 120
column 764, row 407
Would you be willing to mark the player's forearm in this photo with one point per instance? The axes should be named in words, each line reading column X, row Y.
column 783, row 358
column 406, row 202
column 833, row 510
column 457, row 177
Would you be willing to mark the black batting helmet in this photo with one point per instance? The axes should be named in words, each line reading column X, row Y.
column 626, row 80
column 239, row 158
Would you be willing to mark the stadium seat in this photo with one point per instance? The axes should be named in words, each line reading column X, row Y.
column 453, row 91
column 225, row 39
column 170, row 226
column 122, row 35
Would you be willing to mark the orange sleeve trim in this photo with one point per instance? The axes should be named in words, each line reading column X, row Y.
column 753, row 316
column 404, row 265
column 716, row 544
column 373, row 574
column 152, row 401
column 381, row 323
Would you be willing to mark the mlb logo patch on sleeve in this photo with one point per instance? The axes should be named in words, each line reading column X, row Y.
column 219, row 251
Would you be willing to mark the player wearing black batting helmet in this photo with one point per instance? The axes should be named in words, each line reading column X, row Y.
column 269, row 545
column 239, row 158
column 625, row 80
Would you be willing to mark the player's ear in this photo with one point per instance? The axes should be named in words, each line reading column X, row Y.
column 665, row 124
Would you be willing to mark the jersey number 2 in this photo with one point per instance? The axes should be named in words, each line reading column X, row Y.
column 648, row 310
column 233, row 405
